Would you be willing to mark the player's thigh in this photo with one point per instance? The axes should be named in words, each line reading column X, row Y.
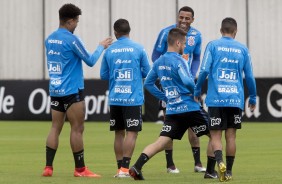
column 76, row 114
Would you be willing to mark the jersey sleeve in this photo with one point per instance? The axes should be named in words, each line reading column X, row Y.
column 196, row 57
column 160, row 46
column 186, row 76
column 204, row 70
column 79, row 49
column 250, row 79
column 145, row 66
column 104, row 70
column 149, row 84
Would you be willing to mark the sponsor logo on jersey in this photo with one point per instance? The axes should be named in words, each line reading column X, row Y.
column 55, row 81
column 227, row 75
column 191, row 40
column 175, row 101
column 124, row 74
column 179, row 108
column 171, row 92
column 122, row 100
column 51, row 52
column 215, row 121
column 198, row 129
column 133, row 122
column 165, row 78
column 166, row 128
column 229, row 49
column 120, row 61
column 226, row 60
column 57, row 91
column 231, row 101
column 164, row 67
column 122, row 89
column 55, row 41
column 122, row 50
column 227, row 89
column 55, row 67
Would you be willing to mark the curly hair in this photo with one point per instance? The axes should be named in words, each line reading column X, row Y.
column 69, row 11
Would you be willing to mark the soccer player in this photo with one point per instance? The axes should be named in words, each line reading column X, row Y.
column 182, row 111
column 192, row 53
column 65, row 53
column 224, row 62
column 124, row 65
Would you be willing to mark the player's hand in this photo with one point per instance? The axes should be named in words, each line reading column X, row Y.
column 185, row 56
column 252, row 107
column 107, row 42
column 197, row 98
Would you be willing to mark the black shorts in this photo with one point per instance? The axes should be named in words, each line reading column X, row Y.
column 63, row 103
column 176, row 125
column 222, row 118
column 127, row 118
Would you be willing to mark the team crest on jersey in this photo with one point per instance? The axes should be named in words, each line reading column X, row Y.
column 191, row 40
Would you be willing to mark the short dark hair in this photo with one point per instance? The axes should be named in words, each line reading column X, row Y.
column 69, row 11
column 175, row 34
column 187, row 9
column 122, row 27
column 228, row 25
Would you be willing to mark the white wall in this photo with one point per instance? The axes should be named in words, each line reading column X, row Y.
column 265, row 22
column 21, row 48
column 22, row 30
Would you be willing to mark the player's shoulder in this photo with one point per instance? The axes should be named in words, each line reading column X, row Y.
column 194, row 32
column 168, row 28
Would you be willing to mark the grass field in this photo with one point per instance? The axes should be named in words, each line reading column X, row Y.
column 22, row 155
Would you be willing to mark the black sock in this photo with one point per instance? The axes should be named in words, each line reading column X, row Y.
column 229, row 162
column 169, row 159
column 211, row 164
column 218, row 156
column 196, row 155
column 143, row 158
column 119, row 163
column 79, row 159
column 125, row 162
column 50, row 155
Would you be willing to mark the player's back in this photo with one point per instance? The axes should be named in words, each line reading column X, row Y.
column 226, row 86
column 128, row 64
column 180, row 98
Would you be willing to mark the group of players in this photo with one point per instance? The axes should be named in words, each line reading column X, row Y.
column 176, row 59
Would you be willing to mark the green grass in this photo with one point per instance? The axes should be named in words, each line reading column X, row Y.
column 22, row 155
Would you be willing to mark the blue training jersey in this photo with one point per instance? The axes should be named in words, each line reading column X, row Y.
column 177, row 83
column 65, row 53
column 224, row 62
column 125, row 64
column 193, row 47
